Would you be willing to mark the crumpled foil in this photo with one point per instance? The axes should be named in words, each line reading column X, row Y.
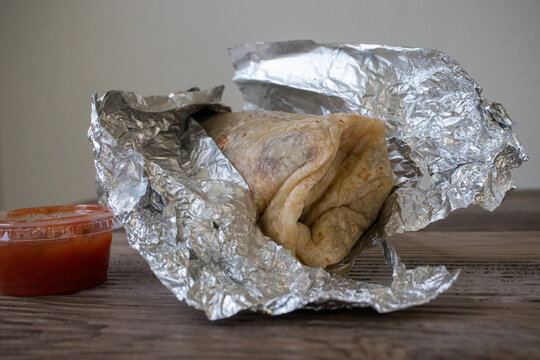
column 190, row 214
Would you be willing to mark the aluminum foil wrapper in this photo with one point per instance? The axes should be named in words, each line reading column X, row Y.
column 190, row 214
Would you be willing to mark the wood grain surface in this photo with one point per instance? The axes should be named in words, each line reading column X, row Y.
column 492, row 311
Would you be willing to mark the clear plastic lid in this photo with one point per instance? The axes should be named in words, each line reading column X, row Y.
column 54, row 222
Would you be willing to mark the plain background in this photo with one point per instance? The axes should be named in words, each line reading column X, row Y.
column 55, row 54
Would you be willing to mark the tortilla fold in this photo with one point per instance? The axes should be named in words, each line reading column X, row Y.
column 318, row 181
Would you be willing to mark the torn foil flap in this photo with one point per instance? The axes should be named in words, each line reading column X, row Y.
column 191, row 216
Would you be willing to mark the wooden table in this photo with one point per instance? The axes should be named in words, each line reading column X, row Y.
column 492, row 311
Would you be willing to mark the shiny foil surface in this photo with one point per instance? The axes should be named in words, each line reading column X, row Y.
column 448, row 146
column 191, row 216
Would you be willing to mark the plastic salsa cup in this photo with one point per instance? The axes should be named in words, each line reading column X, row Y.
column 54, row 250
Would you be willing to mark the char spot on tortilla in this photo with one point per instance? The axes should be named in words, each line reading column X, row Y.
column 282, row 155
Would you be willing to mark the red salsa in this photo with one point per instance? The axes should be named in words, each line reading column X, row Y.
column 54, row 250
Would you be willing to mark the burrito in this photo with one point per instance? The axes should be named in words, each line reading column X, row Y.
column 318, row 181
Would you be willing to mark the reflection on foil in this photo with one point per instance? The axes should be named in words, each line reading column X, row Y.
column 190, row 215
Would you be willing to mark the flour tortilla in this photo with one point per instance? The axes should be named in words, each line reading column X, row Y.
column 318, row 181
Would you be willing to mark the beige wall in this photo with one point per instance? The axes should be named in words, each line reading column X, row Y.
column 55, row 54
